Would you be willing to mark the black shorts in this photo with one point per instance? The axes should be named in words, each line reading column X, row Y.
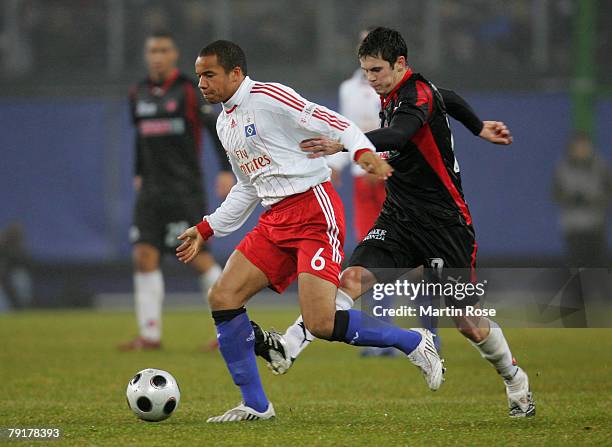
column 159, row 220
column 393, row 246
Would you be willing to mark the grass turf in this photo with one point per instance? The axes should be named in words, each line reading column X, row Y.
column 61, row 369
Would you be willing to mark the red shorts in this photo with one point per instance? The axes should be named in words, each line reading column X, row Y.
column 302, row 233
column 368, row 198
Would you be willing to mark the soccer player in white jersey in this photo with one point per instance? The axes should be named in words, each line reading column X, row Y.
column 299, row 235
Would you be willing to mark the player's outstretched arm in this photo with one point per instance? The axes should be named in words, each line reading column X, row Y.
column 235, row 209
column 233, row 212
column 368, row 160
column 321, row 146
column 458, row 108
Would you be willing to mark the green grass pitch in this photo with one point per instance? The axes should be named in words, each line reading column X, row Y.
column 61, row 369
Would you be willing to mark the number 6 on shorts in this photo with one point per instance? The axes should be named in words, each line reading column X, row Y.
column 317, row 262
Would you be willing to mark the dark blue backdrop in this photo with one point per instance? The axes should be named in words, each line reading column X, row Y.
column 66, row 175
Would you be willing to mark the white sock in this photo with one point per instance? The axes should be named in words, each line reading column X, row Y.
column 343, row 300
column 495, row 349
column 148, row 297
column 298, row 337
column 208, row 278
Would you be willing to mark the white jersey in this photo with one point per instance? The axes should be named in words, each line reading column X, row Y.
column 361, row 104
column 261, row 127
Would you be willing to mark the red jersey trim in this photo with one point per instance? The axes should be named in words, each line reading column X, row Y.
column 426, row 144
column 284, row 93
column 424, row 96
column 360, row 152
column 231, row 110
column 167, row 82
column 278, row 98
column 385, row 100
column 333, row 118
column 328, row 121
column 192, row 114
column 473, row 275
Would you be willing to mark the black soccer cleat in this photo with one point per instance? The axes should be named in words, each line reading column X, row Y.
column 271, row 346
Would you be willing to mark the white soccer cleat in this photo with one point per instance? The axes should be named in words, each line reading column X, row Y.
column 243, row 413
column 279, row 364
column 426, row 358
column 520, row 400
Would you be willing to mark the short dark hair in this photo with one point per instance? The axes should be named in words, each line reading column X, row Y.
column 385, row 43
column 229, row 55
column 160, row 34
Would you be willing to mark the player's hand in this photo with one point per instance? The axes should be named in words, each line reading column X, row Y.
column 320, row 146
column 137, row 183
column 373, row 164
column 191, row 246
column 496, row 132
column 225, row 182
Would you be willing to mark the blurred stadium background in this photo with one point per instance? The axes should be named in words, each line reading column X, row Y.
column 542, row 66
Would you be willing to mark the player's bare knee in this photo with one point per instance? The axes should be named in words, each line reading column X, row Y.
column 216, row 296
column 145, row 258
column 470, row 332
column 350, row 281
column 356, row 281
column 223, row 296
column 475, row 329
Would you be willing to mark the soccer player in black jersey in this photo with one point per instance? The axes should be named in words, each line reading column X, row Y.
column 425, row 220
column 168, row 113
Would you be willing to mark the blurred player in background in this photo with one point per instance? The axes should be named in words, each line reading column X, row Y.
column 582, row 188
column 299, row 236
column 15, row 267
column 425, row 220
column 168, row 113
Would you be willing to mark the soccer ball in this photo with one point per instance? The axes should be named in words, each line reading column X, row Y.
column 153, row 394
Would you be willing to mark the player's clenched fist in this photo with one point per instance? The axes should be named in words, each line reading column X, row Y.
column 373, row 164
column 193, row 239
column 496, row 132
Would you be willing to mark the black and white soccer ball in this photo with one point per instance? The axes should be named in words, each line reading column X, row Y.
column 153, row 394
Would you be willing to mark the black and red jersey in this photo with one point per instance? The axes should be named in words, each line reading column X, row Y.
column 426, row 182
column 168, row 117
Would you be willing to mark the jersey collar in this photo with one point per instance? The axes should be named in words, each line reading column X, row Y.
column 245, row 87
column 385, row 100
